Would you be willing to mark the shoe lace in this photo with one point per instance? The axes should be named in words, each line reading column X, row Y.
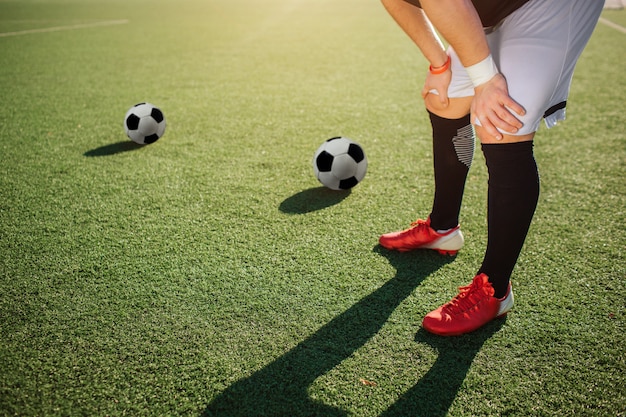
column 420, row 224
column 469, row 296
column 417, row 231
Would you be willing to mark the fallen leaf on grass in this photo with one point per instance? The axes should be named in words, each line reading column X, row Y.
column 368, row 383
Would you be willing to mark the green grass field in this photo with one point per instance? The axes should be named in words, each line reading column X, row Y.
column 211, row 269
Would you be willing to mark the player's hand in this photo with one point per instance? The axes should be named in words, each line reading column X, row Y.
column 439, row 83
column 493, row 108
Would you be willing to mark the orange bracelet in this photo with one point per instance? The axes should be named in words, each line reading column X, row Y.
column 441, row 69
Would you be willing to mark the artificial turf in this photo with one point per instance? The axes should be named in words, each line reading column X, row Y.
column 211, row 274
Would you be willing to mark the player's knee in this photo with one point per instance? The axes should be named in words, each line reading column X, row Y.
column 453, row 108
column 435, row 105
column 485, row 138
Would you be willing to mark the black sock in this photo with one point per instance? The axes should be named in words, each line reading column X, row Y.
column 453, row 151
column 513, row 194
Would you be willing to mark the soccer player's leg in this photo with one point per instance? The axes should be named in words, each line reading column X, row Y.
column 513, row 192
column 453, row 150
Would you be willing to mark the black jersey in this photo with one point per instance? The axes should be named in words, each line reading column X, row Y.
column 491, row 12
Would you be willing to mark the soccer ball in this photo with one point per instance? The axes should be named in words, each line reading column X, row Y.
column 144, row 123
column 340, row 163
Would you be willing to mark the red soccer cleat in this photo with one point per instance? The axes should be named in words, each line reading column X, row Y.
column 421, row 236
column 472, row 308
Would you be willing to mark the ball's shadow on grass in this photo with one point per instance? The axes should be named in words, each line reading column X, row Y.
column 282, row 387
column 113, row 148
column 312, row 199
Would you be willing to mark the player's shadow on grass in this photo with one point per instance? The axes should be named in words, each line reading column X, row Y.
column 434, row 393
column 312, row 199
column 281, row 388
column 114, row 148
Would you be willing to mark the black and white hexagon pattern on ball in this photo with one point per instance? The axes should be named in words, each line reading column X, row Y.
column 339, row 163
column 144, row 123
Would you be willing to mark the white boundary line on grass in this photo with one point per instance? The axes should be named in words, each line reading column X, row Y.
column 613, row 25
column 61, row 28
column 124, row 21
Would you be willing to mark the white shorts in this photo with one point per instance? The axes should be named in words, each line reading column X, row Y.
column 536, row 49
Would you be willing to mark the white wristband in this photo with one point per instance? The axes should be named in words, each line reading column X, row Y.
column 483, row 71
